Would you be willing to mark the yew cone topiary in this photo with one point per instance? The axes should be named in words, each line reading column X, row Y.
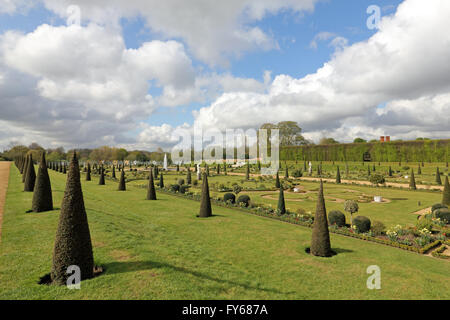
column 277, row 181
column 281, row 208
column 247, row 172
column 73, row 240
column 161, row 181
column 88, row 173
column 25, row 168
column 320, row 244
column 101, row 180
column 438, row 177
column 42, row 195
column 30, row 176
column 446, row 193
column 151, row 192
column 188, row 176
column 113, row 172
column 338, row 176
column 122, row 186
column 205, row 205
column 412, row 181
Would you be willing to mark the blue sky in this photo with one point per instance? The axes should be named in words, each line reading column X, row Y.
column 136, row 71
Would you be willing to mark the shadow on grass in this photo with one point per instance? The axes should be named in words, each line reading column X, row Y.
column 212, row 216
column 132, row 266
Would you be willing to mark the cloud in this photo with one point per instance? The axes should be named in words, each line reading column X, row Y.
column 404, row 64
column 214, row 31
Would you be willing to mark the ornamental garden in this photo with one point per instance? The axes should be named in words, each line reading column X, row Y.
column 224, row 231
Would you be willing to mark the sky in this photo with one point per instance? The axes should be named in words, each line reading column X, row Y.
column 83, row 73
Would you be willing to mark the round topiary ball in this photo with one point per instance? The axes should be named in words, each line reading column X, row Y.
column 244, row 199
column 229, row 197
column 443, row 214
column 362, row 223
column 180, row 182
column 438, row 206
column 336, row 218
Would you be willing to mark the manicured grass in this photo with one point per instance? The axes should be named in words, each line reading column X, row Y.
column 160, row 250
column 399, row 210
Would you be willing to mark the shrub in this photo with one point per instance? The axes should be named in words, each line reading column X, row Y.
column 336, row 217
column 377, row 179
column 424, row 223
column 297, row 173
column 443, row 214
column 378, row 228
column 183, row 188
column 175, row 187
column 438, row 206
column 243, row 200
column 180, row 182
column 229, row 197
column 362, row 224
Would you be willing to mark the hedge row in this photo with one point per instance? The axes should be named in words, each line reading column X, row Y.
column 413, row 151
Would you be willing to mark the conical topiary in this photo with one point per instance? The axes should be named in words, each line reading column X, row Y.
column 122, row 186
column 25, row 168
column 88, row 173
column 205, row 205
column 42, row 195
column 73, row 240
column 320, row 244
column 30, row 177
column 277, row 181
column 286, row 174
column 225, row 169
column 247, row 172
column 161, row 181
column 412, row 181
column 113, row 172
column 338, row 176
column 438, row 177
column 188, row 176
column 419, row 170
column 446, row 193
column 218, row 169
column 151, row 192
column 281, row 208
column 207, row 170
column 390, row 171
column 101, row 180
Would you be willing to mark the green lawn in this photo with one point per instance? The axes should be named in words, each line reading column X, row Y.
column 160, row 250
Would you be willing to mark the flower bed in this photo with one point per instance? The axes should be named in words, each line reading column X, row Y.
column 307, row 220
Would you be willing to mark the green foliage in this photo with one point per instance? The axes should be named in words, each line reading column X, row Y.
column 362, row 224
column 424, row 223
column 337, row 218
column 446, row 193
column 281, row 208
column 351, row 206
column 42, row 195
column 378, row 228
column 438, row 206
column 243, row 200
column 377, row 179
column 320, row 243
column 443, row 214
column 175, row 187
column 229, row 197
column 205, row 202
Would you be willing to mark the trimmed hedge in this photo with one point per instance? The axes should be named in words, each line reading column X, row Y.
column 336, row 217
column 362, row 223
column 229, row 197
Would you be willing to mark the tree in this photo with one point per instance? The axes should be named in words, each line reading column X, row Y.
column 446, row 193
column 289, row 133
column 359, row 140
column 122, row 186
column 247, row 172
column 237, row 189
column 42, row 195
column 205, row 205
column 73, row 240
column 412, row 181
column 325, row 141
column 351, row 207
column 320, row 243
column 151, row 192
column 281, row 209
column 188, row 176
column 30, row 176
